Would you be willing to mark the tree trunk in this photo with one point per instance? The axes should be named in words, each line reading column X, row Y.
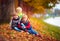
column 7, row 8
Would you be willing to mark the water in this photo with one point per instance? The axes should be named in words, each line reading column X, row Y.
column 54, row 21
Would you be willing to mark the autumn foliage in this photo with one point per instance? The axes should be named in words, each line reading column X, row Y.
column 6, row 34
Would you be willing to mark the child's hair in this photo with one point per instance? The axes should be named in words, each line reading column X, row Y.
column 24, row 18
column 18, row 8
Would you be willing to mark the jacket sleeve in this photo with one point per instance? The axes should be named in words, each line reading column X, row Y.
column 28, row 25
column 19, row 26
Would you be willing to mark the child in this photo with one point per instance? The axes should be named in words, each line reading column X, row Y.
column 14, row 22
column 27, row 26
column 19, row 11
column 15, row 18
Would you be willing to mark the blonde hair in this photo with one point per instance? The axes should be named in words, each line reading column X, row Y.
column 19, row 8
column 25, row 17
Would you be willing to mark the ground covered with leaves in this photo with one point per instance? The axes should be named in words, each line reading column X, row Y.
column 6, row 34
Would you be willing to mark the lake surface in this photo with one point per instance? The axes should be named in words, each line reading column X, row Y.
column 54, row 21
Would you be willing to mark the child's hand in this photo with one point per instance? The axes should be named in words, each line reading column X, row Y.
column 23, row 26
column 10, row 28
column 18, row 22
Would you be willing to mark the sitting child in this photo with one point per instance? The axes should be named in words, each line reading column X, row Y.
column 22, row 24
column 14, row 22
column 26, row 26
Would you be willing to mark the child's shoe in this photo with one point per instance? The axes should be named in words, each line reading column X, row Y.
column 38, row 35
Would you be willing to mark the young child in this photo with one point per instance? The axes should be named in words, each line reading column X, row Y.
column 26, row 26
column 15, row 20
column 19, row 11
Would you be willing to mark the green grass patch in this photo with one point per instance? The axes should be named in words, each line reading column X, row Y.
column 53, row 30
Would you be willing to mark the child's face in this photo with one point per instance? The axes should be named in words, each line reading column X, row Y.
column 24, row 19
column 15, row 16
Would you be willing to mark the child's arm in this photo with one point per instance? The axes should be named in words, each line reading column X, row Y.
column 23, row 26
column 28, row 25
column 11, row 23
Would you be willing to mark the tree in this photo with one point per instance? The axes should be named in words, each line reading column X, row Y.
column 7, row 8
column 40, row 5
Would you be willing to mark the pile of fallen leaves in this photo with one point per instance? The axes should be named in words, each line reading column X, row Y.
column 6, row 34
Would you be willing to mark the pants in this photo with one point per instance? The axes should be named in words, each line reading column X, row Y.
column 17, row 29
column 31, row 30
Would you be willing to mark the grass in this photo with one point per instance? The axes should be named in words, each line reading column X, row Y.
column 54, row 31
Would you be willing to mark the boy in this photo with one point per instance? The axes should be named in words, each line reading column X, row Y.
column 26, row 26
column 16, row 17
column 15, row 20
column 19, row 12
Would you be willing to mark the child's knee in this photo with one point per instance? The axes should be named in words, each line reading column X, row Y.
column 16, row 28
